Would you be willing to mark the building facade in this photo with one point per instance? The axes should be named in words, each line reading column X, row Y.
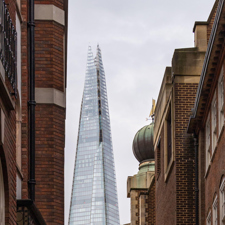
column 189, row 133
column 141, row 186
column 32, row 111
column 94, row 192
column 207, row 123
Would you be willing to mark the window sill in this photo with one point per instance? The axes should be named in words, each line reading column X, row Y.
column 207, row 171
column 168, row 170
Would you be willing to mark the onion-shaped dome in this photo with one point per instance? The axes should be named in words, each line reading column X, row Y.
column 143, row 144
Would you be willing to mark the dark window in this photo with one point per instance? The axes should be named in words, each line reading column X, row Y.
column 169, row 137
column 158, row 157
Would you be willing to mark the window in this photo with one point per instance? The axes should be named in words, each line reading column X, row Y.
column 18, row 151
column 214, row 122
column 2, row 197
column 19, row 3
column 207, row 142
column 222, row 202
column 169, row 136
column 209, row 219
column 158, row 157
column 221, row 101
column 168, row 141
column 215, row 211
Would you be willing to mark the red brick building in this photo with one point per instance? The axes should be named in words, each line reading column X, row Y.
column 177, row 195
column 207, row 122
column 32, row 154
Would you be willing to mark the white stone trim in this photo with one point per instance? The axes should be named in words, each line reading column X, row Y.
column 50, row 96
column 49, row 12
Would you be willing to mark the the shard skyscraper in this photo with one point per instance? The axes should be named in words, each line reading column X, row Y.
column 94, row 193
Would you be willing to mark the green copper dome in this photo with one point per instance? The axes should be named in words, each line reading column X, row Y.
column 143, row 148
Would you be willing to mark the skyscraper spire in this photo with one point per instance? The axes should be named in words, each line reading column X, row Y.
column 94, row 194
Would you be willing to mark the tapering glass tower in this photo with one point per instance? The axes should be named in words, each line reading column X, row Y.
column 94, row 193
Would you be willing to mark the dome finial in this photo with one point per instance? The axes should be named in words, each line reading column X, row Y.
column 143, row 148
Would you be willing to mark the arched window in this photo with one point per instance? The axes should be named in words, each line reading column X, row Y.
column 2, row 197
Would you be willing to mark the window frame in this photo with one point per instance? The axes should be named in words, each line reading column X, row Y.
column 209, row 218
column 215, row 211
column 168, row 164
column 222, row 202
column 158, row 149
column 208, row 142
column 214, row 123
column 220, row 102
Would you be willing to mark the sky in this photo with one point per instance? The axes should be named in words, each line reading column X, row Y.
column 137, row 39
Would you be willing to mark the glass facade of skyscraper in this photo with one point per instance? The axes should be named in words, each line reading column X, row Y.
column 94, row 194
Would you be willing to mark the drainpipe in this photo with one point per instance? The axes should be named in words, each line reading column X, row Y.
column 196, row 181
column 31, row 103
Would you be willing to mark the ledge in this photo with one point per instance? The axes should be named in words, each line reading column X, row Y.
column 49, row 12
column 201, row 23
column 50, row 96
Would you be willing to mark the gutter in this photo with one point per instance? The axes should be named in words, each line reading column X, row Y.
column 31, row 102
column 66, row 38
column 207, row 56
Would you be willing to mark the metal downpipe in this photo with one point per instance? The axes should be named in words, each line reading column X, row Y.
column 31, row 103
column 196, row 181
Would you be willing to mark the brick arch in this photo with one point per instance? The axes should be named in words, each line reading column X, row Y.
column 6, row 183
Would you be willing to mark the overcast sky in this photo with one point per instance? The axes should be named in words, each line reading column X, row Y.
column 137, row 39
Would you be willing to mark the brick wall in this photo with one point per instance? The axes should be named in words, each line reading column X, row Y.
column 201, row 157
column 216, row 171
column 165, row 192
column 184, row 153
column 49, row 41
column 50, row 162
column 50, row 118
column 8, row 157
column 8, row 148
column 175, row 196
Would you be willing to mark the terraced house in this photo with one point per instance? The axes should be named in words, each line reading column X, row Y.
column 33, row 43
